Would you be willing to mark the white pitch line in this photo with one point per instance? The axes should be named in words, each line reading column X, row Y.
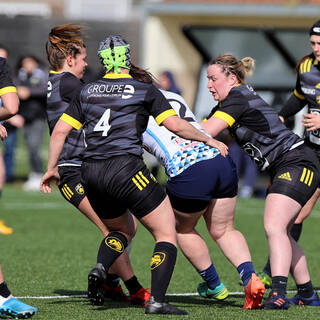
column 169, row 294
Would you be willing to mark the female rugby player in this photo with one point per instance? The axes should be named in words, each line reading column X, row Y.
column 67, row 58
column 292, row 166
column 115, row 111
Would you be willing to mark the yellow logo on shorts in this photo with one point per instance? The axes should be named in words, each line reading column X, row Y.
column 114, row 244
column 285, row 176
column 157, row 259
column 79, row 188
column 307, row 176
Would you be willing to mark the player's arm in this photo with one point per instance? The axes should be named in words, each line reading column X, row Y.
column 185, row 130
column 10, row 105
column 58, row 137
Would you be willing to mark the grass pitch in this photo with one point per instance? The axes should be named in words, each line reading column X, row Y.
column 47, row 258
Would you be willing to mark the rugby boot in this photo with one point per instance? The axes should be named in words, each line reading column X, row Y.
column 312, row 301
column 220, row 292
column 254, row 292
column 96, row 281
column 276, row 301
column 154, row 307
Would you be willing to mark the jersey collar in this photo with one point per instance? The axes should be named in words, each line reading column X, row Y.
column 117, row 75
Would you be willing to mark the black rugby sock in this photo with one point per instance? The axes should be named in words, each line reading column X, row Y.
column 279, row 284
column 305, row 290
column 133, row 285
column 4, row 291
column 111, row 247
column 162, row 264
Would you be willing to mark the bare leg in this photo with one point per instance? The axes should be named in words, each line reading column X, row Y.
column 280, row 211
column 219, row 218
column 191, row 243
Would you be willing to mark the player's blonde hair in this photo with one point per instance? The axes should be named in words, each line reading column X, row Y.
column 230, row 64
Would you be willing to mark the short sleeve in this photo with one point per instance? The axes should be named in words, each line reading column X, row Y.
column 74, row 114
column 6, row 83
column 232, row 108
column 157, row 105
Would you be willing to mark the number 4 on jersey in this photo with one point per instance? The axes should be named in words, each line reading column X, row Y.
column 103, row 124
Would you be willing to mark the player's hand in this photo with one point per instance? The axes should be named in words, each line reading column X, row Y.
column 311, row 121
column 281, row 119
column 49, row 176
column 218, row 145
column 3, row 132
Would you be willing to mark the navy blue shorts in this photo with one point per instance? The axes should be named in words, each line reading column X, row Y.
column 193, row 189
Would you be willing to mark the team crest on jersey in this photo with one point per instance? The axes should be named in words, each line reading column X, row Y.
column 285, row 176
column 114, row 243
column 79, row 188
column 157, row 259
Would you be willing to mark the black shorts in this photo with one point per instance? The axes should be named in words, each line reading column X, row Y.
column 70, row 184
column 297, row 175
column 193, row 189
column 120, row 183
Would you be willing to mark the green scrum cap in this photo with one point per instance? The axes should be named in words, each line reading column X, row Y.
column 114, row 53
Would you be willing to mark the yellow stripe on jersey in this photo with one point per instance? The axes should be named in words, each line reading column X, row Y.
column 225, row 117
column 7, row 90
column 116, row 76
column 54, row 72
column 69, row 120
column 305, row 66
column 164, row 115
column 309, row 65
column 137, row 184
column 298, row 95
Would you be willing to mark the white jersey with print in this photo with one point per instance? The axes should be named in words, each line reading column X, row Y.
column 176, row 154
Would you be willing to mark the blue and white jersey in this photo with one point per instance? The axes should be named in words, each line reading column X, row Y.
column 176, row 154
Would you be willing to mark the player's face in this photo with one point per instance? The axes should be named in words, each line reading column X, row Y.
column 79, row 63
column 315, row 46
column 219, row 84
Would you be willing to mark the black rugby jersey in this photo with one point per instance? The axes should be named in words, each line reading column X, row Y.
column 6, row 83
column 61, row 89
column 115, row 111
column 308, row 91
column 255, row 125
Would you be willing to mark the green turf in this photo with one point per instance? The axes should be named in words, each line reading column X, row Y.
column 53, row 248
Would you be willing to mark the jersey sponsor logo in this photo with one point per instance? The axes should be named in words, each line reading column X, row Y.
column 308, row 90
column 140, row 181
column 157, row 259
column 114, row 243
column 68, row 193
column 285, row 176
column 256, row 155
column 49, row 89
column 79, row 188
column 307, row 176
column 114, row 90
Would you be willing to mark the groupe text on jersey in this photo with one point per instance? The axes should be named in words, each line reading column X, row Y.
column 115, row 112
